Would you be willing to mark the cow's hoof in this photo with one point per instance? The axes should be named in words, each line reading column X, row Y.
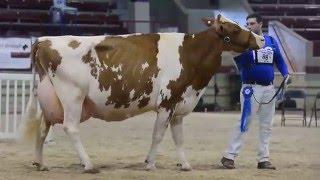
column 91, row 171
column 150, row 167
column 43, row 168
column 40, row 167
column 80, row 164
column 36, row 164
column 184, row 167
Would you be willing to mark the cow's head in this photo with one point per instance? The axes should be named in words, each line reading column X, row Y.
column 235, row 38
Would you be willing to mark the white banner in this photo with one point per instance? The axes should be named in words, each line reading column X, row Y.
column 15, row 53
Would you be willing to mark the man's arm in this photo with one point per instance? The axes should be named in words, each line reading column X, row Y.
column 237, row 62
column 279, row 61
column 281, row 65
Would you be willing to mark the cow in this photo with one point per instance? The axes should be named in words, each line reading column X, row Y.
column 116, row 77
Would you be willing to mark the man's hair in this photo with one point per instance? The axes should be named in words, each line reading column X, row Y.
column 255, row 15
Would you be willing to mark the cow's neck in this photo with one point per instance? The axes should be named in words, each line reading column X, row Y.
column 201, row 57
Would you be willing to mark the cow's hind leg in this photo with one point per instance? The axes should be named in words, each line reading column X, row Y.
column 160, row 126
column 40, row 138
column 72, row 99
column 177, row 134
column 72, row 115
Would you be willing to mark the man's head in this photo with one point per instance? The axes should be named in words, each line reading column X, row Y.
column 254, row 23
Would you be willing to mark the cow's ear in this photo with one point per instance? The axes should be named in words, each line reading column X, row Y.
column 218, row 17
column 218, row 25
column 219, row 28
column 208, row 21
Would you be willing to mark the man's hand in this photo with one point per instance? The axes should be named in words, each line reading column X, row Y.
column 288, row 80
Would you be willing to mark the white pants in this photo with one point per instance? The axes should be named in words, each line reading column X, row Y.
column 265, row 114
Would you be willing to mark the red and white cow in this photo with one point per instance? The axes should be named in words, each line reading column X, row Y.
column 117, row 77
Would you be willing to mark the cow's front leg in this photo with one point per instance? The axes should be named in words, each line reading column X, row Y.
column 177, row 135
column 160, row 126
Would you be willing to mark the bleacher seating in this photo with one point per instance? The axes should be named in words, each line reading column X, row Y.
column 30, row 4
column 93, row 18
column 90, row 6
column 316, row 47
column 282, row 1
column 282, row 10
column 300, row 15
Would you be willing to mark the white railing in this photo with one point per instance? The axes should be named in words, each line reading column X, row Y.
column 14, row 89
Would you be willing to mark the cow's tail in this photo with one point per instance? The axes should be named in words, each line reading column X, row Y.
column 34, row 62
column 30, row 125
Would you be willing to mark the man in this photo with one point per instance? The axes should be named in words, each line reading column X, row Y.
column 257, row 74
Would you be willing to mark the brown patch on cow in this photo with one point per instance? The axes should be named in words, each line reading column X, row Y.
column 200, row 59
column 45, row 58
column 143, row 102
column 88, row 59
column 74, row 44
column 118, row 68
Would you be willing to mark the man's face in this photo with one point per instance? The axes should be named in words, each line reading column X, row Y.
column 253, row 25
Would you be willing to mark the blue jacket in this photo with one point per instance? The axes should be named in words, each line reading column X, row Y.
column 257, row 65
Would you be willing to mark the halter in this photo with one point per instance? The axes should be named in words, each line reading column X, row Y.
column 226, row 39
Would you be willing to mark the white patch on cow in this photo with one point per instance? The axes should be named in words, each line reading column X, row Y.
column 105, row 66
column 113, row 68
column 119, row 77
column 193, row 36
column 259, row 39
column 131, row 93
column 128, row 35
column 224, row 19
column 116, row 69
column 168, row 60
column 144, row 66
column 190, row 100
column 229, row 54
column 144, row 95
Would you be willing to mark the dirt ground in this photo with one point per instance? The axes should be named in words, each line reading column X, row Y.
column 119, row 149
